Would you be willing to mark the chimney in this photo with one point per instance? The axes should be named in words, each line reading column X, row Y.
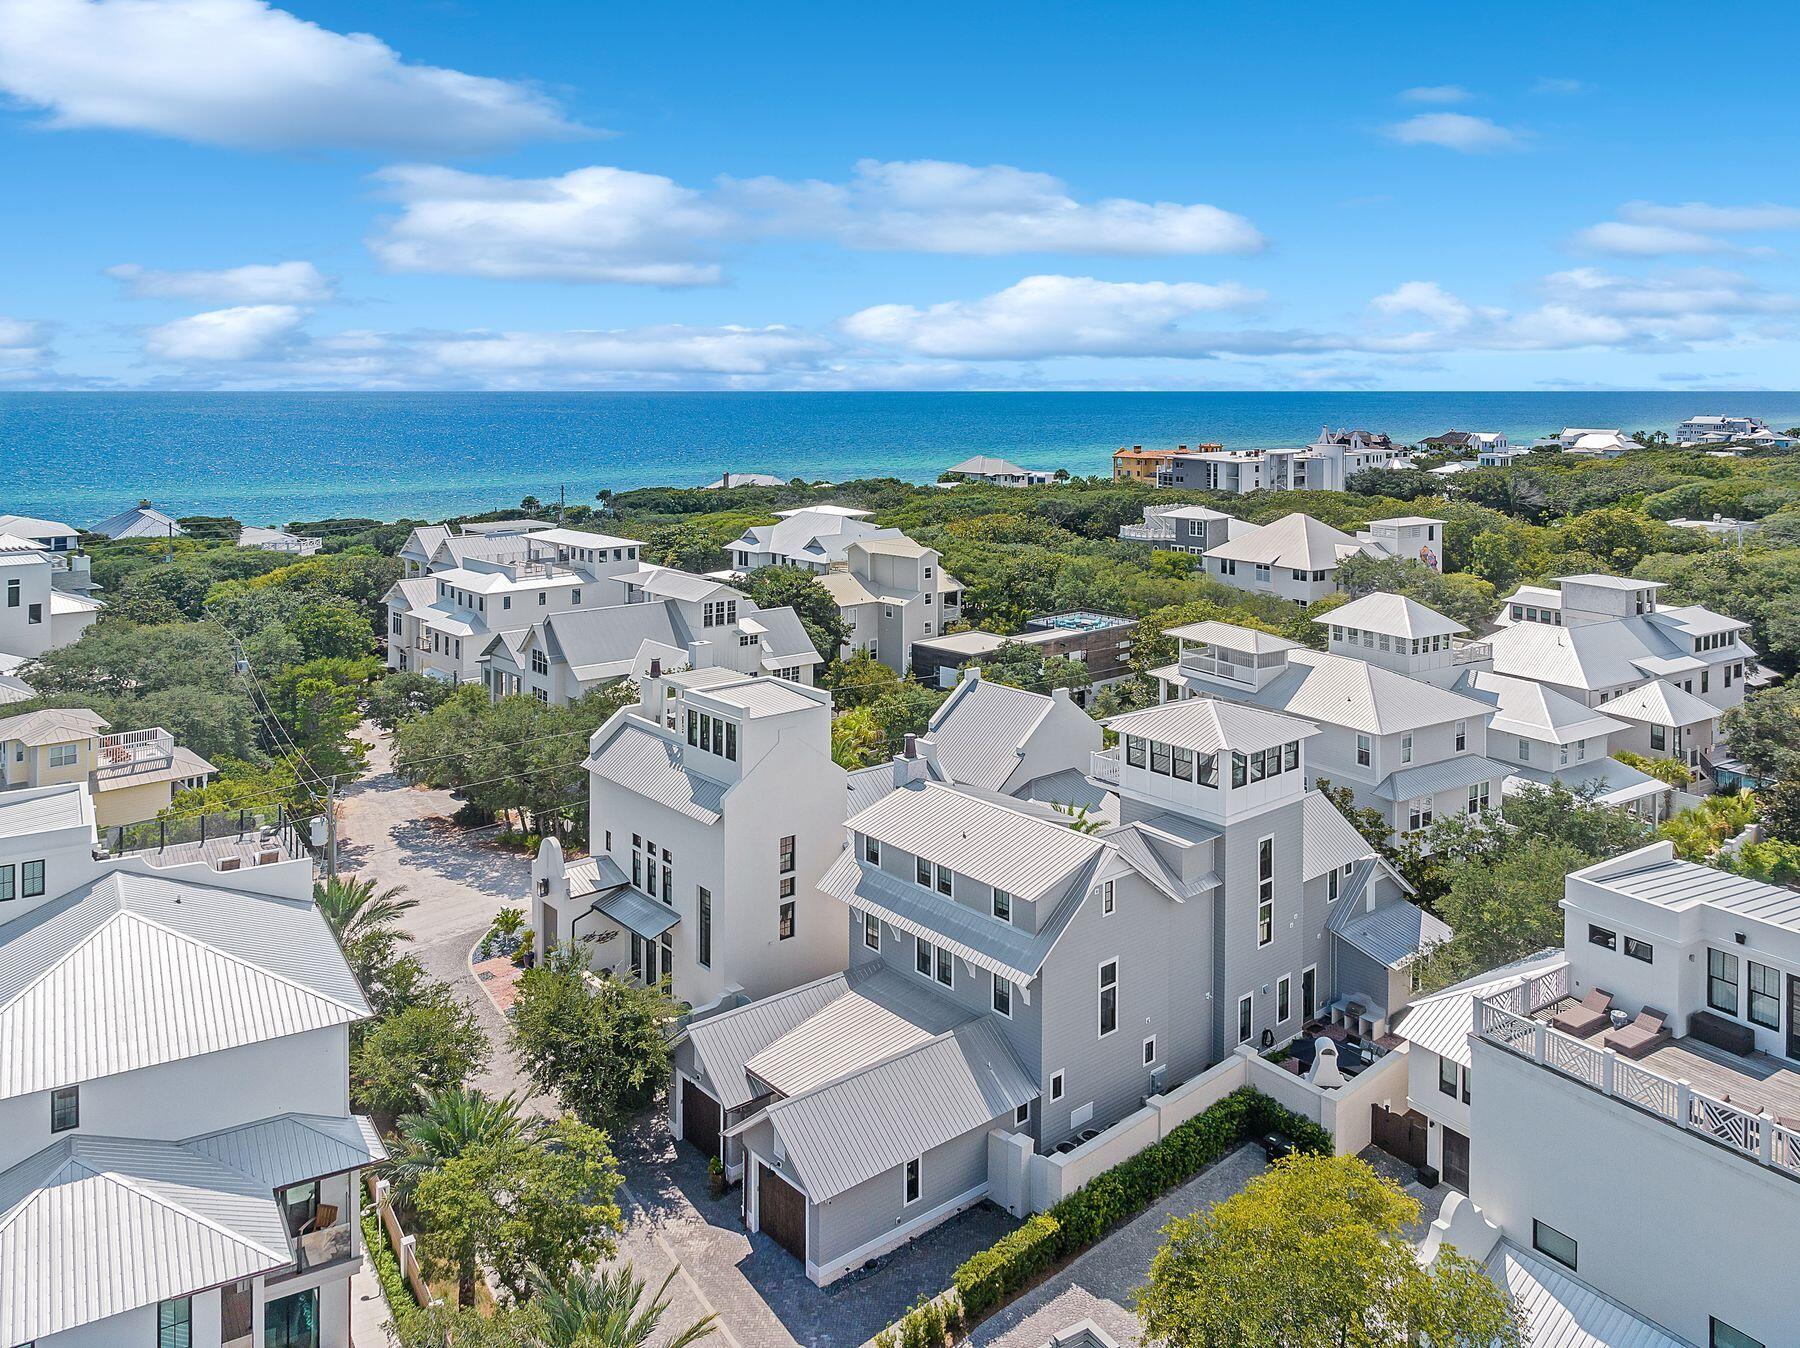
column 912, row 746
column 655, row 667
column 912, row 765
column 1061, row 695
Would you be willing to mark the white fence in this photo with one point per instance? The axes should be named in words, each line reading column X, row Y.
column 1343, row 1111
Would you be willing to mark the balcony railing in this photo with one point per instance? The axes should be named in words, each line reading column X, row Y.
column 1148, row 533
column 1220, row 665
column 1471, row 652
column 135, row 751
column 1506, row 1020
column 315, row 1249
column 1104, row 766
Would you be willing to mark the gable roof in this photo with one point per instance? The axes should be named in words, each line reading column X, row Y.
column 136, row 970
column 984, row 465
column 1533, row 710
column 52, row 725
column 1662, row 703
column 1393, row 614
column 646, row 763
column 1344, row 691
column 1393, row 934
column 1296, row 541
column 723, row 1043
column 600, row 643
column 1442, row 1022
column 139, row 522
column 981, row 730
column 1328, row 840
column 1591, row 656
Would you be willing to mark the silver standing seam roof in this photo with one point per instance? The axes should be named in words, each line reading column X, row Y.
column 981, row 729
column 1429, row 778
column 1564, row 1312
column 1391, row 935
column 1678, row 885
column 646, row 763
column 723, row 1043
column 1209, row 725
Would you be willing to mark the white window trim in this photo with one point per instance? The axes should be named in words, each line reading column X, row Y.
column 871, row 926
column 917, row 1166
column 1100, row 986
column 994, row 996
column 1251, row 1000
column 1022, row 1115
column 1312, row 969
column 1286, row 981
column 1151, row 1055
column 1056, row 1084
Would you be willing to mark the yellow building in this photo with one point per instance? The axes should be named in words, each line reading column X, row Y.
column 1138, row 464
column 133, row 774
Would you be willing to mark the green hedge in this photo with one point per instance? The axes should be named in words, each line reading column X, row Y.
column 401, row 1305
column 1086, row 1215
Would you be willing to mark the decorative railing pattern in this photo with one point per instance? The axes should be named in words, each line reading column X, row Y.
column 1504, row 1019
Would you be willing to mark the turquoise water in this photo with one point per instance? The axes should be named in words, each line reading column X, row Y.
column 275, row 457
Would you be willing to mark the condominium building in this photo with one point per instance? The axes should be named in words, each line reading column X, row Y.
column 132, row 775
column 178, row 1159
column 1412, row 751
column 1015, row 983
column 1634, row 1108
column 1138, row 464
column 45, row 597
column 714, row 808
column 704, row 625
column 1325, row 465
column 478, row 585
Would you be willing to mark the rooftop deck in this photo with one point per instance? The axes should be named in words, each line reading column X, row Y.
column 1748, row 1104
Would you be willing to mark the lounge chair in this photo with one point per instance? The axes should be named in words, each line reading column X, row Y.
column 1649, row 1031
column 1589, row 1016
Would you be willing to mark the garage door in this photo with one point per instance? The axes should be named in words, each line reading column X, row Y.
column 699, row 1118
column 781, row 1212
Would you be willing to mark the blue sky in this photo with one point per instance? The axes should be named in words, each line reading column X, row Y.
column 465, row 194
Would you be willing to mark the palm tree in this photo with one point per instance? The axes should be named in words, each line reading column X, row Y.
column 355, row 912
column 454, row 1121
column 605, row 1309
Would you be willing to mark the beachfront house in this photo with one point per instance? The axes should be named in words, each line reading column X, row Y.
column 1015, row 984
column 141, row 521
column 178, row 1159
column 997, row 472
column 279, row 540
column 1325, row 465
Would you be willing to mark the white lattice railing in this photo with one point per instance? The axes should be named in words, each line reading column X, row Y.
column 1759, row 1137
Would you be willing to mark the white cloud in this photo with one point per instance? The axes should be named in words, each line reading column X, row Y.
column 243, row 333
column 1701, row 215
column 1427, row 299
column 673, row 349
column 1044, row 316
column 1629, row 239
column 1436, row 93
column 591, row 224
column 1556, row 84
column 932, row 206
column 271, row 283
column 1455, row 131
column 612, row 224
column 243, row 73
column 1649, row 229
column 24, row 350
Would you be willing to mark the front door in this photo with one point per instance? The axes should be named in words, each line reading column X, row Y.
column 1456, row 1160
column 1793, row 1038
column 781, row 1212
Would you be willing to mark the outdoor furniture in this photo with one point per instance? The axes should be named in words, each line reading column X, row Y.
column 1586, row 1017
column 1710, row 1028
column 322, row 1220
column 1276, row 1145
column 1649, row 1031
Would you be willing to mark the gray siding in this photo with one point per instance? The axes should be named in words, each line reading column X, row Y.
column 1357, row 973
column 1243, row 966
column 874, row 1209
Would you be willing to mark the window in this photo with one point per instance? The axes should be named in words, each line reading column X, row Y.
column 1265, row 891
column 1332, row 885
column 1659, row 737
column 1548, row 1240
column 1056, row 1085
column 1183, row 764
column 1419, row 813
column 1240, row 769
column 1159, row 758
column 1265, row 923
column 871, row 931
column 1284, row 997
column 1290, row 755
column 64, row 755
column 1600, row 936
column 1109, row 903
column 1406, row 748
column 1002, row 996
column 12, row 593
column 6, row 884
column 1478, row 797
column 1524, row 751
column 1245, row 1014
column 946, row 967
column 1003, row 905
column 943, row 880
column 65, row 1108
column 1150, row 1051
column 539, row 664
column 175, row 1323
column 922, row 872
column 1462, row 736
column 1022, row 1115
column 34, row 614
column 31, row 879
column 1722, row 1335
column 910, row 1187
column 1309, row 992
column 1365, row 751
column 1640, row 950
column 787, row 854
column 1722, row 982
column 543, row 598
column 787, row 886
column 787, row 920
column 1134, row 752
column 705, row 934
column 1765, row 996
column 871, row 851
column 1447, row 1077
column 922, row 956
column 1109, row 997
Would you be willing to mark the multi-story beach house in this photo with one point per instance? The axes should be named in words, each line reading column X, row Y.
column 476, row 586
column 45, row 597
column 892, row 592
column 1185, row 528
column 1325, row 465
column 1465, row 442
column 1412, row 751
column 69, row 565
column 1102, row 642
column 1633, row 1104
column 813, row 538
column 714, row 808
column 131, row 775
column 567, row 655
column 1015, row 983
column 1726, row 430
column 998, row 738
column 1296, row 557
column 178, row 1159
column 141, row 521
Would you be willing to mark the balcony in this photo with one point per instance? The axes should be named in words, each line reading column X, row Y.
column 1148, row 533
column 129, row 751
column 1104, row 766
column 1471, row 653
column 1217, row 663
column 328, row 1245
column 1749, row 1105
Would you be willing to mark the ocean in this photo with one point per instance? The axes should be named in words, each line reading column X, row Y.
column 271, row 458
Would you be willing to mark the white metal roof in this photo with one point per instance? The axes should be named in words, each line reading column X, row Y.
column 136, row 970
column 723, row 1043
column 1441, row 1023
column 1427, row 779
column 647, row 763
column 1564, row 1312
column 1679, row 885
column 1208, row 725
column 981, row 730
column 1534, row 710
column 44, row 809
column 1393, row 614
column 984, row 465
column 990, row 843
column 1328, row 839
column 1296, row 541
column 1662, row 703
column 1233, row 637
column 1392, row 934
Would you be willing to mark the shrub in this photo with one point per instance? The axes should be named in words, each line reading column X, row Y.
column 1009, row 1262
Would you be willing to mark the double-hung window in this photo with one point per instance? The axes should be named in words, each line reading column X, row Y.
column 65, row 1108
column 1365, row 751
column 1265, row 891
column 1109, row 997
column 922, row 956
column 910, row 1187
column 31, row 879
column 1765, row 996
column 871, row 931
column 1722, row 982
column 1003, row 905
column 1002, row 996
column 175, row 1323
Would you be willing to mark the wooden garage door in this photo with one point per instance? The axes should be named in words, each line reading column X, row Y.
column 699, row 1118
column 781, row 1212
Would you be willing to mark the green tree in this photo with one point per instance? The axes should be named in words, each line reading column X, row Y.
column 1765, row 732
column 602, row 1052
column 547, row 1201
column 790, row 587
column 1372, row 824
column 404, row 694
column 859, row 680
column 687, row 547
column 366, row 922
column 1503, row 909
column 1468, row 599
column 606, row 1309
column 1314, row 1254
column 856, row 739
column 1021, row 664
column 416, row 1052
column 451, row 1122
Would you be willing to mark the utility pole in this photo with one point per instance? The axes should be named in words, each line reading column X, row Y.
column 562, row 493
column 331, row 838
